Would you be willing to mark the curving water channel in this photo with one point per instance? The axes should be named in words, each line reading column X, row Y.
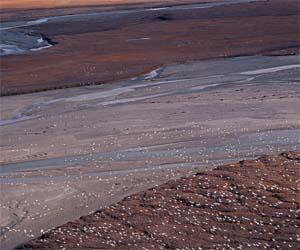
column 16, row 39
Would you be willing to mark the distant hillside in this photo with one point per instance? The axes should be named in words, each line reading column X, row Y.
column 27, row 4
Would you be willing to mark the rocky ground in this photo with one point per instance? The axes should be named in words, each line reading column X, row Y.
column 249, row 205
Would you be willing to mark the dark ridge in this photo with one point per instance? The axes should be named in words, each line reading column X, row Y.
column 165, row 17
column 48, row 40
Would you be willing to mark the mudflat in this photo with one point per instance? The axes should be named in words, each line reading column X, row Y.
column 249, row 205
column 66, row 153
column 104, row 48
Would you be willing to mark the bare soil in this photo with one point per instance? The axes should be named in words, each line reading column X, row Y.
column 86, row 148
column 33, row 4
column 249, row 205
column 97, row 51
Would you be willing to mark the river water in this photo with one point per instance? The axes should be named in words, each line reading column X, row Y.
column 15, row 38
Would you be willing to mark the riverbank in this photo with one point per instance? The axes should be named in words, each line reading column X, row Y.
column 249, row 205
column 16, row 39
column 266, row 27
column 68, row 152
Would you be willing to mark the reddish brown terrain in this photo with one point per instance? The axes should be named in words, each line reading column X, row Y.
column 12, row 10
column 97, row 51
column 249, row 205
column 34, row 4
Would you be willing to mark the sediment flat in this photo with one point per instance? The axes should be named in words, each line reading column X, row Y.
column 104, row 48
column 71, row 145
column 67, row 153
column 249, row 205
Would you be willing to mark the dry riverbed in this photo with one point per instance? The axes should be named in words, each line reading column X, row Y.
column 66, row 153
column 248, row 205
